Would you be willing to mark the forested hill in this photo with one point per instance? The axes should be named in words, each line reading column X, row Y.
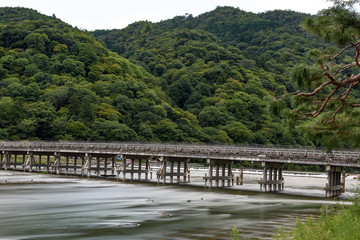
column 227, row 44
column 59, row 83
column 274, row 39
column 188, row 79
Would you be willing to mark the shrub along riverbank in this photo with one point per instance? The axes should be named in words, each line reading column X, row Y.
column 340, row 222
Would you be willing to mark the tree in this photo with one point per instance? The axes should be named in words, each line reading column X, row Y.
column 42, row 114
column 167, row 131
column 58, row 96
column 211, row 116
column 78, row 130
column 27, row 128
column 87, row 55
column 113, row 131
column 37, row 41
column 239, row 132
column 180, row 91
column 328, row 88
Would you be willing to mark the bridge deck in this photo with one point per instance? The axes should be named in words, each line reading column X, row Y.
column 236, row 153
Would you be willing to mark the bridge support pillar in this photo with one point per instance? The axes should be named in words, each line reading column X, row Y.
column 15, row 161
column 67, row 165
column 335, row 181
column 75, row 164
column 48, row 163
column 88, row 164
column 225, row 175
column 23, row 161
column 1, row 159
column 272, row 179
column 56, row 166
column 105, row 166
column 175, row 170
column 4, row 160
column 113, row 161
column 240, row 178
column 139, row 169
column 83, row 162
column 30, row 161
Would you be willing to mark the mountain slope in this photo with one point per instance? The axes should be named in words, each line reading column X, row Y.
column 172, row 84
column 57, row 82
column 204, row 74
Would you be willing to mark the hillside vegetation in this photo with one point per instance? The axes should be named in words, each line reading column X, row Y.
column 188, row 79
column 57, row 82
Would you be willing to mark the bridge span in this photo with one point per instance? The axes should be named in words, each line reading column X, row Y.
column 128, row 159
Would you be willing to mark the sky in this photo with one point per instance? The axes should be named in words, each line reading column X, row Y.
column 109, row 14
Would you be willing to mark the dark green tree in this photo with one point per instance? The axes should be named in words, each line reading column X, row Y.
column 328, row 89
column 113, row 131
column 180, row 91
column 211, row 117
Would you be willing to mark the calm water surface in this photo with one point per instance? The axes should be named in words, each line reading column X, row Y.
column 51, row 207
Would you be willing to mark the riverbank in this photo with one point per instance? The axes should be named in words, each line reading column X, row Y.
column 341, row 222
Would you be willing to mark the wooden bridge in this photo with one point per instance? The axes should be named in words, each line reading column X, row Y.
column 129, row 159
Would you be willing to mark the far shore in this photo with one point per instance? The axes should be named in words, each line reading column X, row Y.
column 310, row 184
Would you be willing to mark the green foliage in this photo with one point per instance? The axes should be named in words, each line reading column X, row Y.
column 338, row 24
column 342, row 222
column 304, row 76
column 223, row 66
column 235, row 233
column 211, row 116
column 167, row 131
column 187, row 79
column 239, row 132
column 113, row 131
column 57, row 82
column 180, row 91
column 321, row 94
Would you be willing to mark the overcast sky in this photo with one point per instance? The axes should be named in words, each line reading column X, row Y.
column 109, row 14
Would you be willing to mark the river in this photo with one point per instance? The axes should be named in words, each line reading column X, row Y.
column 41, row 206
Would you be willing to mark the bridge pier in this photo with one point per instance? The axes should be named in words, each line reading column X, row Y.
column 48, row 163
column 57, row 163
column 220, row 176
column 97, row 163
column 82, row 167
column 38, row 162
column 1, row 159
column 30, row 161
column 272, row 179
column 335, row 181
column 174, row 172
column 75, row 164
column 141, row 168
column 67, row 163
column 5, row 160
column 240, row 178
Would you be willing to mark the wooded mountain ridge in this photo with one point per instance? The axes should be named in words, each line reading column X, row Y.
column 206, row 79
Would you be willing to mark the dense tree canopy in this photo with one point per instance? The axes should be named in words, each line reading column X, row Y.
column 57, row 82
column 188, row 79
column 223, row 66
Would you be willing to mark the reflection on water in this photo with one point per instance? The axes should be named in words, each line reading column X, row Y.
column 99, row 209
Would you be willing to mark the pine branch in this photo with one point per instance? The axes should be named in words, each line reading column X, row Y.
column 343, row 50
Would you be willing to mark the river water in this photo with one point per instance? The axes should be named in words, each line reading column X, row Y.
column 39, row 206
